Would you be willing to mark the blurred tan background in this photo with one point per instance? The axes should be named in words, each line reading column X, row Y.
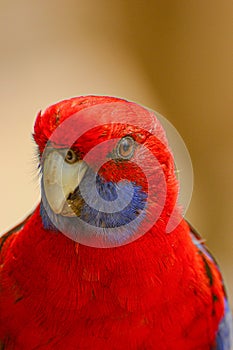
column 174, row 56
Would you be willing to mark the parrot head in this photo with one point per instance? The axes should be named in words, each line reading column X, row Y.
column 107, row 170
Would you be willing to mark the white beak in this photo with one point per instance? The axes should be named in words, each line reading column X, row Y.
column 60, row 179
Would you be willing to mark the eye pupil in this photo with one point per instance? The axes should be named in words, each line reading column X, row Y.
column 126, row 147
column 71, row 157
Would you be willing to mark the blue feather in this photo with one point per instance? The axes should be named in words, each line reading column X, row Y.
column 96, row 214
column 224, row 337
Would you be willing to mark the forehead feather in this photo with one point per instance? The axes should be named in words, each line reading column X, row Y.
column 64, row 123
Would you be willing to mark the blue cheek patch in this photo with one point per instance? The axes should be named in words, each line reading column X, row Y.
column 108, row 192
column 95, row 215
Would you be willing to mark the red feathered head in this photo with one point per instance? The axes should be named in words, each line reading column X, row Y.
column 106, row 162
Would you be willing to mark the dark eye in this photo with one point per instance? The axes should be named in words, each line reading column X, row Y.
column 71, row 157
column 125, row 148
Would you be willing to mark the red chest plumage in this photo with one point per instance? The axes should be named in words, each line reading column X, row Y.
column 150, row 294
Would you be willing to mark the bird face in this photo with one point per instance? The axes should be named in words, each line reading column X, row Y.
column 106, row 172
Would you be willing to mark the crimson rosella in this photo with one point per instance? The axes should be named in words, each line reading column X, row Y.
column 88, row 271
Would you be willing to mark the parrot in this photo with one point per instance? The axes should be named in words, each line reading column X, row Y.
column 94, row 266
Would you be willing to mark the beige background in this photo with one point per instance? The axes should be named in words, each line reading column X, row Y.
column 173, row 56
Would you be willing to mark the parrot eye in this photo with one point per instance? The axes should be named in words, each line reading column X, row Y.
column 71, row 157
column 125, row 148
